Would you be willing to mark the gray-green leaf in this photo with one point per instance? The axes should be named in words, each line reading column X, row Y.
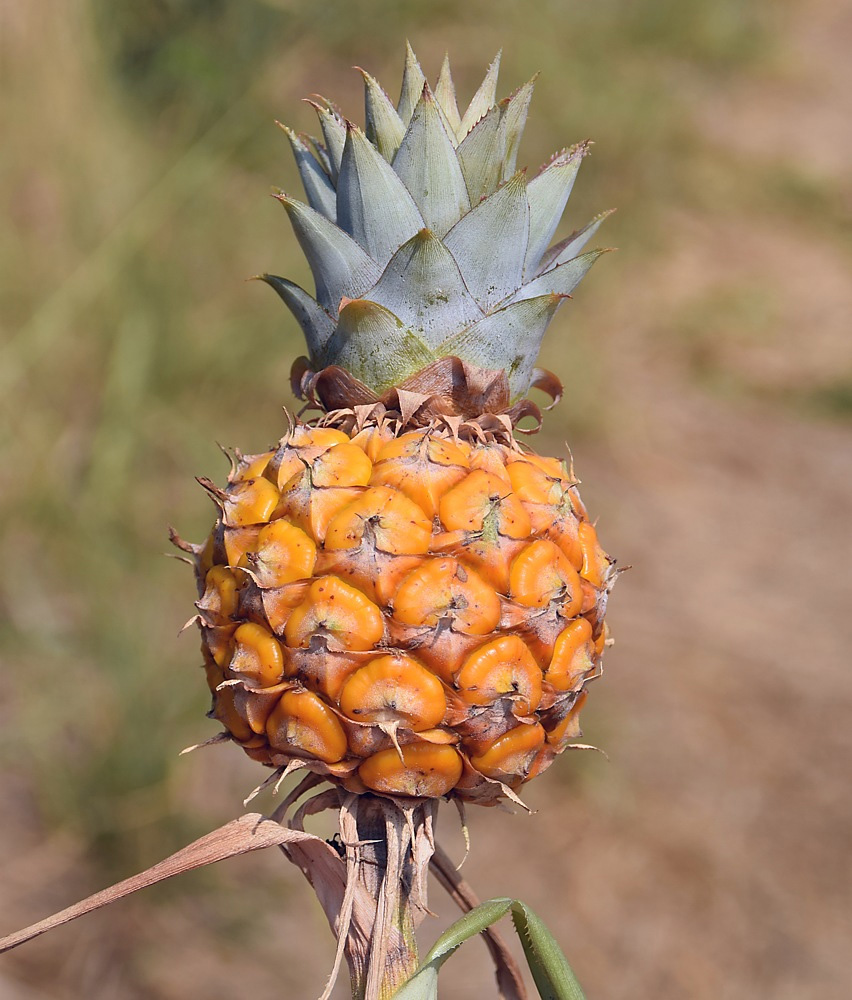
column 384, row 127
column 572, row 245
column 490, row 243
column 316, row 324
column 412, row 85
column 334, row 134
column 483, row 99
column 509, row 338
column 376, row 346
column 445, row 94
column 339, row 266
column 481, row 155
column 373, row 205
column 423, row 287
column 559, row 280
column 318, row 188
column 548, row 194
column 426, row 162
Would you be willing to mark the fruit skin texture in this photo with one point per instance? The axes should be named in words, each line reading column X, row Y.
column 412, row 615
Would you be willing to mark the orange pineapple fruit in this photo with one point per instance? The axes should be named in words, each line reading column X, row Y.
column 400, row 596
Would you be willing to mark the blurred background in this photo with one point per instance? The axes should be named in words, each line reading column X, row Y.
column 708, row 367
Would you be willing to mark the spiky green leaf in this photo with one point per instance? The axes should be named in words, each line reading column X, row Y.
column 572, row 245
column 550, row 969
column 514, row 118
column 474, row 922
column 509, row 338
column 339, row 265
column 554, row 978
column 413, row 79
column 373, row 204
column 334, row 134
column 548, row 194
column 481, row 155
column 484, row 99
column 423, row 287
column 428, row 166
column 375, row 346
column 384, row 127
column 320, row 152
column 318, row 187
column 445, row 94
column 490, row 243
column 559, row 280
column 316, row 324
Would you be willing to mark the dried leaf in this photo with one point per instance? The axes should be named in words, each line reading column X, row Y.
column 251, row 832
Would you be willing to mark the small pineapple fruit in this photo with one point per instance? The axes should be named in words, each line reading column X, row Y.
column 399, row 596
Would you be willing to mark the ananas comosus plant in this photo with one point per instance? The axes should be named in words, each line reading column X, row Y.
column 400, row 600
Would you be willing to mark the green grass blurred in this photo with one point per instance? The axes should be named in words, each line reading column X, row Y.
column 139, row 152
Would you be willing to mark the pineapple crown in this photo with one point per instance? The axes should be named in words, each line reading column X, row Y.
column 423, row 238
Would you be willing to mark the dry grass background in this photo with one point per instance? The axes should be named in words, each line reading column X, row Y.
column 709, row 368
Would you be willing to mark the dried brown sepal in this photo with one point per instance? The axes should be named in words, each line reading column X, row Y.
column 447, row 388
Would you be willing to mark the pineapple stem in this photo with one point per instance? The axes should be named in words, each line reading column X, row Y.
column 386, row 872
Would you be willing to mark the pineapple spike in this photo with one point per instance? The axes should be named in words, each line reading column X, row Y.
column 407, row 289
column 514, row 333
column 562, row 279
column 428, row 166
column 501, row 221
column 329, row 105
column 318, row 188
column 573, row 245
column 484, row 99
column 548, row 194
column 339, row 266
column 317, row 325
column 481, row 155
column 413, row 79
column 445, row 94
column 334, row 134
column 384, row 127
column 319, row 149
column 373, row 203
column 367, row 332
column 514, row 118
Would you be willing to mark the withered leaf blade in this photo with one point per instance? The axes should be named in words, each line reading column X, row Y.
column 251, row 832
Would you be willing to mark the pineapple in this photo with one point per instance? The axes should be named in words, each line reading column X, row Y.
column 399, row 596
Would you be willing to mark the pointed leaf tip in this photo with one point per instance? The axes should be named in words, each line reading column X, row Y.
column 445, row 94
column 572, row 246
column 384, row 127
column 413, row 78
column 483, row 99
column 339, row 265
column 373, row 203
column 561, row 279
column 317, row 325
column 553, row 976
column 427, row 164
column 318, row 187
column 548, row 194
